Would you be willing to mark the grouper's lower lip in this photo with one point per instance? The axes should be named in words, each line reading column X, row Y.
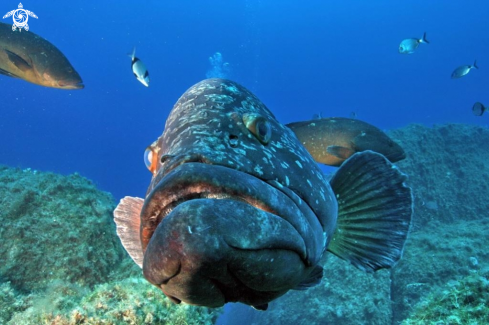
column 212, row 234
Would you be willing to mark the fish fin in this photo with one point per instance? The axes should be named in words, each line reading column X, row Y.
column 340, row 152
column 424, row 40
column 9, row 74
column 19, row 62
column 475, row 64
column 312, row 280
column 261, row 307
column 375, row 207
column 127, row 219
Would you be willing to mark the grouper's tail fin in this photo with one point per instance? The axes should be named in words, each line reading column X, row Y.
column 375, row 207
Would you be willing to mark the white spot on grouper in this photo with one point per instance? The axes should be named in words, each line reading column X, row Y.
column 298, row 163
column 309, row 182
column 258, row 169
column 287, row 180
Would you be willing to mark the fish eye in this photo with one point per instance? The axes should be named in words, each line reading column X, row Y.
column 259, row 126
column 151, row 158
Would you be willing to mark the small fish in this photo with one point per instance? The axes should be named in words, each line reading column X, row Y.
column 333, row 140
column 139, row 69
column 478, row 109
column 463, row 70
column 238, row 210
column 30, row 57
column 410, row 45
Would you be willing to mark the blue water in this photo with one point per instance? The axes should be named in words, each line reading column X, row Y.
column 299, row 57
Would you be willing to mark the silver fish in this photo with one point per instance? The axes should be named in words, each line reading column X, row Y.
column 139, row 69
column 409, row 45
column 239, row 211
column 463, row 70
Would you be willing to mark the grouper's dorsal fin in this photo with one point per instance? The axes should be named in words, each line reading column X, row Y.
column 375, row 207
column 127, row 219
column 19, row 62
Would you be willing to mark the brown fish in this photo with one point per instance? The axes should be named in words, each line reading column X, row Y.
column 333, row 140
column 30, row 57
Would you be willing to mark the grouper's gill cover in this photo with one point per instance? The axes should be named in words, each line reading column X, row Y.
column 206, row 132
column 237, row 209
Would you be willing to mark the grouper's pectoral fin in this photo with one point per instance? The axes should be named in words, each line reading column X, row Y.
column 19, row 62
column 340, row 152
column 127, row 219
column 375, row 207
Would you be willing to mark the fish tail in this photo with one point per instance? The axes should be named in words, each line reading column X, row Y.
column 133, row 54
column 375, row 207
column 475, row 64
column 424, row 40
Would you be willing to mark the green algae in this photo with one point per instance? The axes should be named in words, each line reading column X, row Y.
column 463, row 302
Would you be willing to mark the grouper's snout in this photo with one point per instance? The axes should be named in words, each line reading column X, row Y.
column 212, row 251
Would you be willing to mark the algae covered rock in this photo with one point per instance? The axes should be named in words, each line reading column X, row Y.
column 54, row 227
column 463, row 302
column 448, row 168
column 345, row 296
column 130, row 301
column 436, row 256
column 11, row 302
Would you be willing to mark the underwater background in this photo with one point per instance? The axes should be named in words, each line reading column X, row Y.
column 68, row 156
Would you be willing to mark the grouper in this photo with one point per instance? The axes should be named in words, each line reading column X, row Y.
column 30, row 57
column 333, row 140
column 238, row 210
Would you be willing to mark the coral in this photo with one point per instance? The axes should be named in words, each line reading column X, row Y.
column 461, row 302
column 219, row 68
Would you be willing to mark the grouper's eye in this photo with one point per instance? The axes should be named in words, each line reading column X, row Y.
column 151, row 158
column 259, row 126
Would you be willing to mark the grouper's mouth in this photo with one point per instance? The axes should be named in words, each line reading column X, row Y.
column 212, row 234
